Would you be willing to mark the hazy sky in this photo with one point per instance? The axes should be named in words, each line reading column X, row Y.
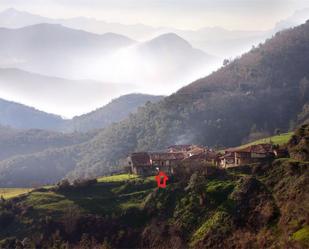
column 185, row 14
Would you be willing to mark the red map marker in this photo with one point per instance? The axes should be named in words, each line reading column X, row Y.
column 161, row 179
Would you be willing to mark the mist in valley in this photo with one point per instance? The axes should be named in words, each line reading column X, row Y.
column 71, row 66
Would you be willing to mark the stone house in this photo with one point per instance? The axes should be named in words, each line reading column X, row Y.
column 140, row 164
column 144, row 163
column 255, row 153
column 150, row 163
column 166, row 161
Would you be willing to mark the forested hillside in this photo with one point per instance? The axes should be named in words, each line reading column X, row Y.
column 260, row 92
column 20, row 142
column 264, row 205
column 21, row 116
column 25, row 117
column 115, row 111
column 34, row 157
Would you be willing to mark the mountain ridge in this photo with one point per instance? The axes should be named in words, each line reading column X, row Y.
column 25, row 116
column 53, row 49
column 221, row 109
column 262, row 91
column 21, row 116
column 19, row 85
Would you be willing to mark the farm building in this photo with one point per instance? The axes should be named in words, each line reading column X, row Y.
column 251, row 154
column 149, row 163
column 144, row 163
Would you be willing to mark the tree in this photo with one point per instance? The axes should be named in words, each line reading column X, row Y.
column 226, row 62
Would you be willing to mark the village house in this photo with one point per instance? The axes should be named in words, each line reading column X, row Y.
column 140, row 164
column 188, row 150
column 144, row 163
column 207, row 156
column 166, row 161
column 255, row 153
column 150, row 163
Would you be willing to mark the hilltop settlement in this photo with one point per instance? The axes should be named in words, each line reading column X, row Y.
column 149, row 163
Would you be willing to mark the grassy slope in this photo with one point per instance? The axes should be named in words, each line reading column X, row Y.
column 8, row 193
column 117, row 178
column 278, row 139
column 274, row 201
column 112, row 194
column 115, row 197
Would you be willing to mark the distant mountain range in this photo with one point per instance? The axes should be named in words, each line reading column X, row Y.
column 262, row 91
column 48, row 93
column 23, row 117
column 52, row 49
column 19, row 142
column 55, row 50
column 115, row 111
column 210, row 39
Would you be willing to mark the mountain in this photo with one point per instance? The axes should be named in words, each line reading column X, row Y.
column 260, row 92
column 115, row 111
column 217, row 40
column 208, row 38
column 15, row 142
column 52, row 49
column 24, row 117
column 48, row 93
column 21, row 116
column 18, row 144
column 51, row 154
column 298, row 17
column 55, row 50
column 12, row 18
column 225, row 43
column 166, row 60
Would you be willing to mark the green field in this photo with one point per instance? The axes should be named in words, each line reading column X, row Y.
column 13, row 192
column 112, row 194
column 278, row 139
column 117, row 178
